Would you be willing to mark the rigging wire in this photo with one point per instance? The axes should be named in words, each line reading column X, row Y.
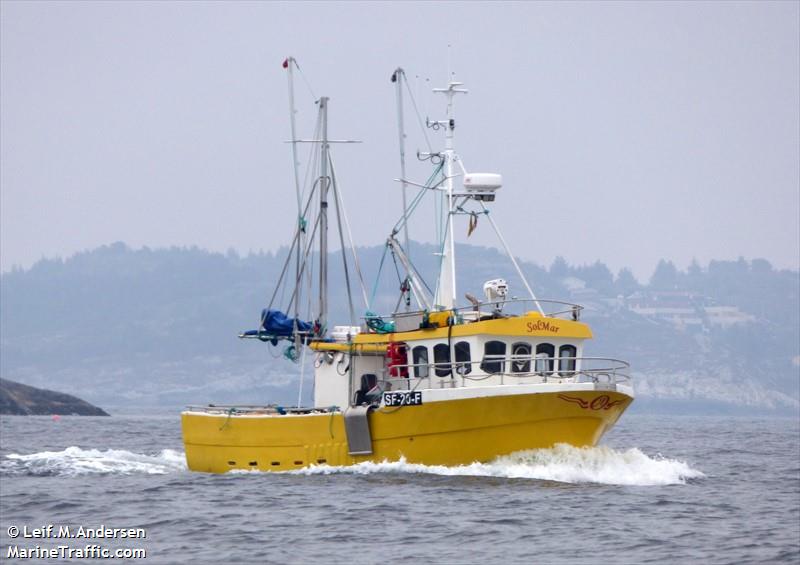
column 416, row 111
column 340, row 203
column 396, row 268
column 298, row 241
column 295, row 241
column 378, row 276
column 341, row 243
column 405, row 290
column 417, row 199
column 292, row 122
column 311, row 207
column 313, row 155
column 305, row 261
column 279, row 284
column 399, row 225
column 305, row 80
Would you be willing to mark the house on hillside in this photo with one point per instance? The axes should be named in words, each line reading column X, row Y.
column 685, row 310
column 579, row 293
column 726, row 316
column 680, row 308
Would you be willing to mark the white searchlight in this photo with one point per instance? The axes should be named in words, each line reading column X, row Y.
column 482, row 186
column 496, row 291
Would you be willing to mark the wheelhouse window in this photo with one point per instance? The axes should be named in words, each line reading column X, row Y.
column 463, row 358
column 441, row 359
column 494, row 357
column 545, row 353
column 521, row 358
column 566, row 358
column 420, row 354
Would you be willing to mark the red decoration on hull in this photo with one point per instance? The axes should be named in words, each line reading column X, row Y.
column 602, row 402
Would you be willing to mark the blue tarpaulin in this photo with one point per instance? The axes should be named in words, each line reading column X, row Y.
column 276, row 324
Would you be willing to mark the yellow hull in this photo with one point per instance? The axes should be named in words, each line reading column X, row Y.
column 451, row 432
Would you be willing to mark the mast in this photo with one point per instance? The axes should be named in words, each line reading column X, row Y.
column 446, row 293
column 289, row 64
column 324, row 183
column 398, row 77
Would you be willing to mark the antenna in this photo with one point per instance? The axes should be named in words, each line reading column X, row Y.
column 449, row 62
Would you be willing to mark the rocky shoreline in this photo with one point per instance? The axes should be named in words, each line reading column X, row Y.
column 23, row 400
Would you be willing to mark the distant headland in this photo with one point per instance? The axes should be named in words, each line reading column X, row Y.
column 23, row 400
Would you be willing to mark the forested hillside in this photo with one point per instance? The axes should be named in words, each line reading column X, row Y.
column 123, row 327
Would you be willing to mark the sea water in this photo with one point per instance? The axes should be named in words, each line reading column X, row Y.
column 658, row 489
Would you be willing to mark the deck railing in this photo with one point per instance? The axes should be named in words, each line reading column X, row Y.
column 258, row 409
column 518, row 306
column 504, row 370
column 406, row 321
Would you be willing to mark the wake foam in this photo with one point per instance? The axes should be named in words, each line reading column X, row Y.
column 77, row 461
column 562, row 463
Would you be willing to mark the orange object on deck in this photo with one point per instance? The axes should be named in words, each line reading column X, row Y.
column 397, row 356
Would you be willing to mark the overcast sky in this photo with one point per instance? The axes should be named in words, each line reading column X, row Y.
column 625, row 132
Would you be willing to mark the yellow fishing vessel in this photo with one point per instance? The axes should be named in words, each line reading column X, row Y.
column 436, row 383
